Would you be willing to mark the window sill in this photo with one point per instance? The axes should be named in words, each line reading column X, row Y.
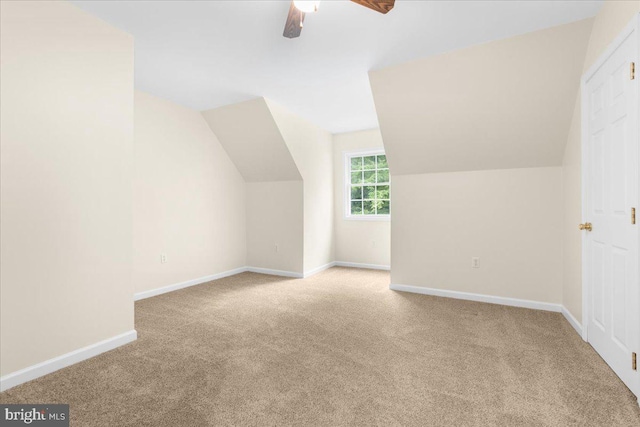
column 383, row 218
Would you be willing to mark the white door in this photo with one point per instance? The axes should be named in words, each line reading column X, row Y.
column 611, row 192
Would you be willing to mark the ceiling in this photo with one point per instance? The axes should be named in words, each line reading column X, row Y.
column 206, row 54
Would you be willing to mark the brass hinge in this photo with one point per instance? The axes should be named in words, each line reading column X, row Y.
column 633, row 215
column 634, row 365
column 633, row 70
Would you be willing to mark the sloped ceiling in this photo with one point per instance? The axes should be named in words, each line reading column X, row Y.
column 303, row 139
column 503, row 104
column 207, row 54
column 251, row 137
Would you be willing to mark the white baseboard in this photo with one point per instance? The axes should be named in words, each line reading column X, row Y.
column 358, row 265
column 572, row 320
column 158, row 291
column 193, row 282
column 275, row 272
column 48, row 366
column 283, row 273
column 319, row 269
column 514, row 302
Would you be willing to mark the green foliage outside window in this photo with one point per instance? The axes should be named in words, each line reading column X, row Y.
column 370, row 191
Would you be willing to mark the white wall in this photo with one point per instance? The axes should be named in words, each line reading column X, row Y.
column 275, row 217
column 611, row 19
column 510, row 218
column 362, row 242
column 189, row 198
column 66, row 107
column 311, row 148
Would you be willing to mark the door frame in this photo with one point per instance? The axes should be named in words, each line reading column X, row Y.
column 633, row 26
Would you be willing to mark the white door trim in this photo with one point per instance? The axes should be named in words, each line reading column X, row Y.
column 634, row 25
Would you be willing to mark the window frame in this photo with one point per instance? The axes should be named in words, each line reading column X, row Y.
column 347, row 155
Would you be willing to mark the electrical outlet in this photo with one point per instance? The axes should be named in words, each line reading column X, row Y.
column 163, row 258
column 475, row 262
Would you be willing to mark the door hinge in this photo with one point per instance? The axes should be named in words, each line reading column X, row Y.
column 633, row 215
column 632, row 70
column 634, row 364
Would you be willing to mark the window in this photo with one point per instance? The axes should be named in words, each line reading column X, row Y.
column 367, row 185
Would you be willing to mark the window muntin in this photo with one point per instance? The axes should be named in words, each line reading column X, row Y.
column 368, row 185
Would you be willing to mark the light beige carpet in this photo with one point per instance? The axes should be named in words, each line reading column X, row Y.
column 338, row 348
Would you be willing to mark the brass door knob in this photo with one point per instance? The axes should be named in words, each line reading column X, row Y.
column 586, row 226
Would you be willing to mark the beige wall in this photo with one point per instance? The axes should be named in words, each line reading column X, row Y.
column 362, row 242
column 498, row 105
column 511, row 219
column 311, row 148
column 275, row 217
column 474, row 172
column 66, row 85
column 188, row 198
column 404, row 95
column 572, row 215
column 250, row 135
column 611, row 19
column 274, row 191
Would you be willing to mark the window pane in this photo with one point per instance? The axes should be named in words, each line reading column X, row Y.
column 370, row 177
column 382, row 192
column 382, row 162
column 369, row 189
column 370, row 162
column 356, row 163
column 369, row 207
column 383, row 175
column 369, row 192
column 356, row 193
column 383, row 207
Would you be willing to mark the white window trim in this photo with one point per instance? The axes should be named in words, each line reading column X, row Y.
column 346, row 179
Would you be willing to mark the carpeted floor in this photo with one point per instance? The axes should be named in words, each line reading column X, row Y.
column 338, row 348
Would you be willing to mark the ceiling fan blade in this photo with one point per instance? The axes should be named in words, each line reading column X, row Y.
column 293, row 27
column 382, row 6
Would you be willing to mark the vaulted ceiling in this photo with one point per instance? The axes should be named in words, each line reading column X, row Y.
column 207, row 54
